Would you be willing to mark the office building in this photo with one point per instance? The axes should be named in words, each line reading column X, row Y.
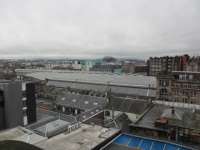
column 10, row 104
column 29, row 102
column 17, row 104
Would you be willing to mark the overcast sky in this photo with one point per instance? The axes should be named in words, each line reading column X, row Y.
column 95, row 28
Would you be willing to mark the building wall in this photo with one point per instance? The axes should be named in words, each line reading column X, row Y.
column 186, row 87
column 2, row 113
column 144, row 92
column 167, row 64
column 164, row 87
column 179, row 87
column 194, row 64
column 12, row 103
column 31, row 102
column 105, row 67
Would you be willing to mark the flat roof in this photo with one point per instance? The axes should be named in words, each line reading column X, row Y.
column 84, row 138
column 98, row 78
column 21, row 134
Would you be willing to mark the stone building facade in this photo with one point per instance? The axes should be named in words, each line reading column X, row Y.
column 166, row 64
column 179, row 86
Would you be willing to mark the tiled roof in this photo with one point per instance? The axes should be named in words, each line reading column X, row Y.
column 128, row 105
column 84, row 102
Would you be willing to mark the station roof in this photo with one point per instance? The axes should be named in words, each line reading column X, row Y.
column 98, row 78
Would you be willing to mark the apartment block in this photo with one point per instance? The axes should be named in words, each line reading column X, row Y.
column 29, row 102
column 17, row 104
column 179, row 86
column 10, row 104
column 166, row 64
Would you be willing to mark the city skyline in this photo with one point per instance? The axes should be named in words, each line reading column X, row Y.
column 93, row 29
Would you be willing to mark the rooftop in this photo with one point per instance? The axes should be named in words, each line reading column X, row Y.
column 149, row 118
column 84, row 138
column 51, row 123
column 50, row 128
column 84, row 102
column 128, row 105
column 182, row 117
column 98, row 78
column 21, row 134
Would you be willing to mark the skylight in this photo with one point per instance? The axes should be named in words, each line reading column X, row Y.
column 86, row 102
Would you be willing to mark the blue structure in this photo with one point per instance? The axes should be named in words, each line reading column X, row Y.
column 132, row 141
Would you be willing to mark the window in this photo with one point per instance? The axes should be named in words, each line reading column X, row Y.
column 163, row 91
column 86, row 102
column 95, row 103
column 74, row 100
column 190, row 77
column 180, row 77
column 107, row 113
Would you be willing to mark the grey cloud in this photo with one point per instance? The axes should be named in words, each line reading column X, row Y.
column 137, row 28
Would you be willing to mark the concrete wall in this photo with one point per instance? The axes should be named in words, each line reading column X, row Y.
column 12, row 103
